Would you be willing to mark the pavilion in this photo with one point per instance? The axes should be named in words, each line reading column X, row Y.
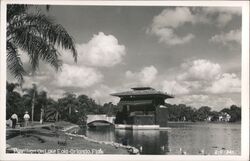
column 142, row 108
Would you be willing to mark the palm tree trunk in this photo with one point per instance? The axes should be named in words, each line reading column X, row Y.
column 69, row 110
column 41, row 116
column 32, row 107
column 57, row 115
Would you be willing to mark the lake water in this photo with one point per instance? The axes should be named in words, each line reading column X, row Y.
column 189, row 138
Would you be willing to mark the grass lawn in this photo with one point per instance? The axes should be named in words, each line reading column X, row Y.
column 46, row 140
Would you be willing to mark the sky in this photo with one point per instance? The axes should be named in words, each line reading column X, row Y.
column 193, row 53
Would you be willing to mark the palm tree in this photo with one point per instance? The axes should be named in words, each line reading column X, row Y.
column 42, row 101
column 69, row 102
column 36, row 34
column 53, row 111
column 13, row 100
column 32, row 93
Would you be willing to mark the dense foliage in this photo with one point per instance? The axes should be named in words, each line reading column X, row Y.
column 74, row 108
column 69, row 108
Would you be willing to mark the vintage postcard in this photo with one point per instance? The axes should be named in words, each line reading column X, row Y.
column 127, row 80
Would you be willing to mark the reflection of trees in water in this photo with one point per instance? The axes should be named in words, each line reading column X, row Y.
column 101, row 133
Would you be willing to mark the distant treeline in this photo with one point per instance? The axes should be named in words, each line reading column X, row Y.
column 74, row 108
column 182, row 112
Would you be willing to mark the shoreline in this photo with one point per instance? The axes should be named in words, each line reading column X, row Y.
column 210, row 122
column 45, row 141
column 115, row 144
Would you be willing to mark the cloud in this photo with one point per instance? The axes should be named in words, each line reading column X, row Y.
column 223, row 19
column 38, row 78
column 174, row 87
column 165, row 25
column 200, row 69
column 221, row 15
column 199, row 76
column 102, row 94
column 77, row 76
column 167, row 36
column 227, row 83
column 233, row 36
column 196, row 83
column 144, row 77
column 56, row 93
column 173, row 17
column 229, row 10
column 101, row 51
column 202, row 76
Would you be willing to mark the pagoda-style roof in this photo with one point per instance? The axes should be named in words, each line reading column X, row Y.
column 142, row 91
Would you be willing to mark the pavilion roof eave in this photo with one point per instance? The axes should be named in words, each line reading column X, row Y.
column 131, row 94
column 142, row 91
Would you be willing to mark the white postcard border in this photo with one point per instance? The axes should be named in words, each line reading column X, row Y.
column 244, row 92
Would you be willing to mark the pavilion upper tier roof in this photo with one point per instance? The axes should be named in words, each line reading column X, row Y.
column 142, row 91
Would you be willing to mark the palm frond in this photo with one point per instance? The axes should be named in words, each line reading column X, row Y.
column 36, row 47
column 14, row 10
column 44, row 27
column 14, row 62
column 38, row 35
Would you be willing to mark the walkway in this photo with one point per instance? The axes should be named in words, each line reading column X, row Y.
column 30, row 127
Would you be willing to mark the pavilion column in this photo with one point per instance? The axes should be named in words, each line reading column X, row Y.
column 128, row 108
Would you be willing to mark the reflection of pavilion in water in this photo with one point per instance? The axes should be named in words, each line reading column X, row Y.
column 148, row 141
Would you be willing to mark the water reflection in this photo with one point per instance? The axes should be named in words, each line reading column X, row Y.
column 99, row 133
column 193, row 139
column 148, row 141
column 210, row 138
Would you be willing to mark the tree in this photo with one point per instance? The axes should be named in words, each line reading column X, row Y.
column 109, row 109
column 215, row 115
column 69, row 104
column 203, row 112
column 42, row 103
column 234, row 111
column 52, row 111
column 32, row 93
column 36, row 34
column 180, row 112
column 84, row 105
column 14, row 101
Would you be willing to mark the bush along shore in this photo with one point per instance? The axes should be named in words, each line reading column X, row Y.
column 61, row 138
